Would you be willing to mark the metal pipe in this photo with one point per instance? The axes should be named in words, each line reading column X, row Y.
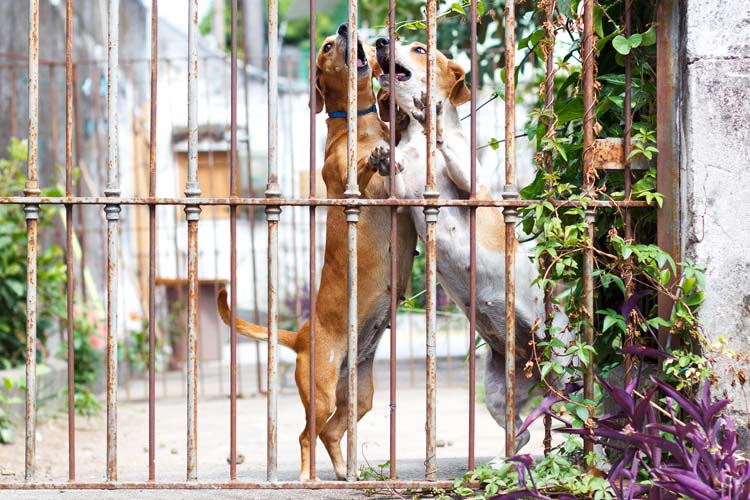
column 251, row 211
column 352, row 217
column 79, row 186
column 431, row 216
column 312, row 264
column 70, row 282
column 192, row 214
column 53, row 121
column 296, row 202
column 510, row 218
column 589, row 174
column 549, row 103
column 473, row 234
column 112, row 211
column 394, row 235
column 273, row 214
column 32, row 216
column 152, row 244
column 669, row 16
column 627, row 174
column 233, row 191
column 12, row 101
column 232, row 485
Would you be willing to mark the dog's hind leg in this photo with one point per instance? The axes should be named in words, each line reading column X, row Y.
column 494, row 386
column 325, row 402
column 334, row 429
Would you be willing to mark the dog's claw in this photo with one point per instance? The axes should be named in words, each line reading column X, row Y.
column 420, row 114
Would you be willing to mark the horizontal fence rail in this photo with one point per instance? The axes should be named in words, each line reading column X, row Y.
column 353, row 204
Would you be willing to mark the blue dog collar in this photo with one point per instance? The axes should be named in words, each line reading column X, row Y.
column 342, row 114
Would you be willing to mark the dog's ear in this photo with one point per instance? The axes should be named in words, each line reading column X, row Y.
column 373, row 61
column 459, row 93
column 384, row 104
column 319, row 99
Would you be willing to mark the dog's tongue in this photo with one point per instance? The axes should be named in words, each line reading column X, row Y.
column 361, row 63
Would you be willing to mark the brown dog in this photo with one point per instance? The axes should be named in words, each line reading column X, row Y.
column 373, row 266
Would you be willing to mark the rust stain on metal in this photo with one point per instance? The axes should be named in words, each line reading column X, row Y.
column 152, row 245
column 312, row 264
column 233, row 485
column 590, row 176
column 667, row 138
column 611, row 154
column 70, row 282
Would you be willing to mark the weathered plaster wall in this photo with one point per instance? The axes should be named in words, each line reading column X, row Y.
column 715, row 166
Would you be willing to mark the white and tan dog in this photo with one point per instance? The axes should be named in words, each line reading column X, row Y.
column 452, row 175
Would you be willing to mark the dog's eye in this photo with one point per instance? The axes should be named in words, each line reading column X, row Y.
column 420, row 50
column 327, row 47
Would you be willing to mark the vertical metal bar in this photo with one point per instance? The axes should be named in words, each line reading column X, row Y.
column 431, row 215
column 510, row 216
column 473, row 234
column 394, row 233
column 627, row 172
column 113, row 236
column 668, row 34
column 589, row 179
column 215, row 229
column 293, row 194
column 273, row 214
column 312, row 264
column 70, row 283
column 192, row 214
column 549, row 101
column 79, row 185
column 352, row 217
column 251, row 193
column 152, row 244
column 12, row 101
column 95, row 77
column 233, row 230
column 32, row 216
column 53, row 119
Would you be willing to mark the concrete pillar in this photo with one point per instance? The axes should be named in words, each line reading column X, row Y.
column 715, row 162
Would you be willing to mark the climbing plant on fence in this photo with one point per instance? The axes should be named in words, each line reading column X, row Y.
column 663, row 433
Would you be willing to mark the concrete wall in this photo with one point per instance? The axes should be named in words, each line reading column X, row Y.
column 715, row 175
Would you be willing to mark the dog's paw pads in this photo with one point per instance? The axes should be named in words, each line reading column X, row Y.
column 380, row 160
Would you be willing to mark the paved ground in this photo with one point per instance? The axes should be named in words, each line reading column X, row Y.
column 213, row 442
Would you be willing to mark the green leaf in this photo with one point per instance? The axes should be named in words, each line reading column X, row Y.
column 621, row 45
column 8, row 383
column 635, row 40
column 582, row 412
column 598, row 25
column 648, row 38
column 694, row 299
column 458, row 8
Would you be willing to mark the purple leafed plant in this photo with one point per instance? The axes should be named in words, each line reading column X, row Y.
column 684, row 446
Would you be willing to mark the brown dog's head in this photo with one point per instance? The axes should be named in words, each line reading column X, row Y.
column 411, row 75
column 333, row 71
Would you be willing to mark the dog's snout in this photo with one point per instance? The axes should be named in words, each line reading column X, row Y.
column 343, row 29
column 381, row 42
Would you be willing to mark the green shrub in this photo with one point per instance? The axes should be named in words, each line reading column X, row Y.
column 50, row 265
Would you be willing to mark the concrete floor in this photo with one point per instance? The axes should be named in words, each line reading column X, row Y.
column 213, row 441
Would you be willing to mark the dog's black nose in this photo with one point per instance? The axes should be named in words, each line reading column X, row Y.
column 381, row 42
column 343, row 29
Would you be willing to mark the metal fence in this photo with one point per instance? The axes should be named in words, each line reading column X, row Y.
column 192, row 201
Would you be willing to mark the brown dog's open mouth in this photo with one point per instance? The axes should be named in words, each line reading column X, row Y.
column 361, row 57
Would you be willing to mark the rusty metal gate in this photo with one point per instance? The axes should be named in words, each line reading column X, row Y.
column 111, row 201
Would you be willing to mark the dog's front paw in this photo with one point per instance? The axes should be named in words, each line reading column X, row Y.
column 420, row 114
column 380, row 161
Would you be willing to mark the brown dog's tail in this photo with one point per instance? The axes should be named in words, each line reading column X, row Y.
column 257, row 332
